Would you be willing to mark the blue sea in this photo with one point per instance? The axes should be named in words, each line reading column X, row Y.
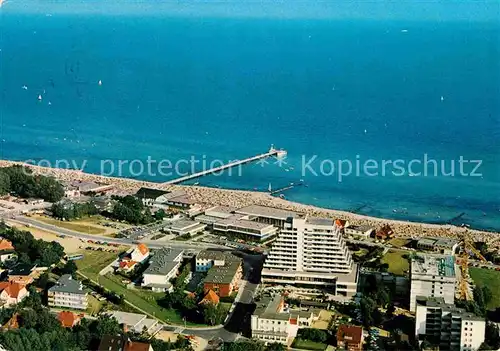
column 331, row 82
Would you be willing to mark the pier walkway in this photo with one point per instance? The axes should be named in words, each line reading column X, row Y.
column 272, row 152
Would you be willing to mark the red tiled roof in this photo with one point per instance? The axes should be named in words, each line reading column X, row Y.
column 68, row 319
column 143, row 249
column 340, row 223
column 350, row 334
column 127, row 264
column 293, row 321
column 5, row 245
column 12, row 288
column 136, row 346
column 211, row 297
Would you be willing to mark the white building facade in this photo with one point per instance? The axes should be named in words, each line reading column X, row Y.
column 432, row 276
column 271, row 324
column 448, row 327
column 311, row 254
column 163, row 266
column 69, row 293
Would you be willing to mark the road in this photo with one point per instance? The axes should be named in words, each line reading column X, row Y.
column 238, row 323
column 122, row 241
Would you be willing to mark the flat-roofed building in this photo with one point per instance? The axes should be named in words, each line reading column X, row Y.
column 163, row 266
column 237, row 225
column 185, row 226
column 206, row 259
column 311, row 254
column 446, row 246
column 432, row 276
column 136, row 322
column 447, row 327
column 269, row 215
column 220, row 211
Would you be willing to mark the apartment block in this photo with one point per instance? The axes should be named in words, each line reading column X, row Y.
column 446, row 326
column 68, row 293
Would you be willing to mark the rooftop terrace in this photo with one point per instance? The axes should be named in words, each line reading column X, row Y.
column 436, row 265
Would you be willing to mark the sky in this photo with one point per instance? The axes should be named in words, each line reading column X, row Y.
column 433, row 10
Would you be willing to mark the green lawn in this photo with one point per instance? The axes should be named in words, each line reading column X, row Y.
column 397, row 263
column 399, row 242
column 143, row 299
column 308, row 345
column 77, row 225
column 94, row 261
column 488, row 277
column 94, row 305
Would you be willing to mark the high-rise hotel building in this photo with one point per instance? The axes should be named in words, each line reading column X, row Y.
column 310, row 254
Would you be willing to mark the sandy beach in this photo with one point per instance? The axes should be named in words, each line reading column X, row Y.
column 238, row 198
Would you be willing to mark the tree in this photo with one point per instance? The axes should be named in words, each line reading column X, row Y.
column 487, row 294
column 106, row 325
column 21, row 181
column 4, row 183
column 275, row 346
column 69, row 268
column 492, row 336
column 390, row 310
column 313, row 334
column 370, row 314
column 248, row 345
column 160, row 214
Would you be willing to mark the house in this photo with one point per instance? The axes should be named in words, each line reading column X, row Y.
column 103, row 203
column 152, row 197
column 127, row 265
column 350, row 337
column 210, row 297
column 122, row 343
column 138, row 255
column 163, row 266
column 7, row 250
column 271, row 322
column 69, row 293
column 5, row 244
column 23, row 274
column 68, row 319
column 223, row 280
column 385, row 232
column 11, row 293
column 359, row 231
column 33, row 201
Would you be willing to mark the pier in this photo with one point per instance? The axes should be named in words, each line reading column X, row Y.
column 272, row 152
column 288, row 187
